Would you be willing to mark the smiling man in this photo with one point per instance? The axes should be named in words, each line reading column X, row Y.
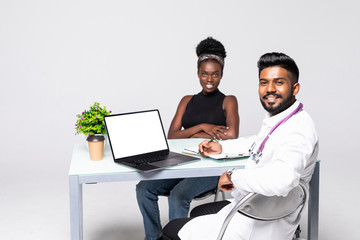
column 278, row 85
column 284, row 153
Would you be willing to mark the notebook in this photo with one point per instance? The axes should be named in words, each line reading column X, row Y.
column 138, row 140
column 193, row 151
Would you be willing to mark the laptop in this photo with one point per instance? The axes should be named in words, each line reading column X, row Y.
column 138, row 140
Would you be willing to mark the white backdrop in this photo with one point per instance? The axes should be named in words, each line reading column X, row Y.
column 58, row 57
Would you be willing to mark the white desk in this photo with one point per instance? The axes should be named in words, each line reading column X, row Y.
column 83, row 170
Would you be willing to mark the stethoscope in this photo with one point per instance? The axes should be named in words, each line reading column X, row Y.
column 256, row 156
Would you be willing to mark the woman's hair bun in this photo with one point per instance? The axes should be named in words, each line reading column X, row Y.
column 211, row 46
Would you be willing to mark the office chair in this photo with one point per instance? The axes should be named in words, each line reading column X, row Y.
column 266, row 208
column 204, row 195
column 215, row 191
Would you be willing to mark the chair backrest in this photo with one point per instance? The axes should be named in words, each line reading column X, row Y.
column 274, row 207
column 267, row 208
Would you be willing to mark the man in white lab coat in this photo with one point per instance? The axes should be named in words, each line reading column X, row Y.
column 284, row 153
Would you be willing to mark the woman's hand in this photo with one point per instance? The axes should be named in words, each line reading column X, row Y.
column 214, row 131
column 207, row 148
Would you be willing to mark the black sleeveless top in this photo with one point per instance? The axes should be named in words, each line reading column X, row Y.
column 205, row 109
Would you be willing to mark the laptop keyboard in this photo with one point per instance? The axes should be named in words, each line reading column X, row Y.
column 149, row 160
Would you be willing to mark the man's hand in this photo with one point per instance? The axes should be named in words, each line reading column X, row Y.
column 225, row 183
column 207, row 148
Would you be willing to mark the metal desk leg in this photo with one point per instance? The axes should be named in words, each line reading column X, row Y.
column 313, row 207
column 76, row 208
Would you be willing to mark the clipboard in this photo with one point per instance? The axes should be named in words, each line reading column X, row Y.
column 193, row 151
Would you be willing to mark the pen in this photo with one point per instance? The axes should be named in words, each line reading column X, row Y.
column 252, row 147
column 212, row 140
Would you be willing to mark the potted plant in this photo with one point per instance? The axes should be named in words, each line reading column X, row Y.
column 91, row 124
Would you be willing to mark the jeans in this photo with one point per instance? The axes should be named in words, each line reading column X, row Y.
column 182, row 191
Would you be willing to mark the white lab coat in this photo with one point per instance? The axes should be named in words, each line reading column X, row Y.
column 289, row 155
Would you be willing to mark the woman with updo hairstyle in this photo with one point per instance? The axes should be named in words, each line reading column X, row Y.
column 207, row 114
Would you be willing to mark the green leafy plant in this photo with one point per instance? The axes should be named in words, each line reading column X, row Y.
column 91, row 121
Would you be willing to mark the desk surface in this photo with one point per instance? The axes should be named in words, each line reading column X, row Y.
column 82, row 166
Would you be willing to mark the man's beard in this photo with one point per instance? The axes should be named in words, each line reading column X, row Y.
column 281, row 107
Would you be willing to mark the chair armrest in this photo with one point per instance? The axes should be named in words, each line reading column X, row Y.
column 267, row 208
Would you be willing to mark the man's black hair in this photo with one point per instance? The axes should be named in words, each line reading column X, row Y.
column 281, row 60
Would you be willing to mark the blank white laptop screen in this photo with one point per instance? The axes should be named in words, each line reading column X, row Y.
column 136, row 133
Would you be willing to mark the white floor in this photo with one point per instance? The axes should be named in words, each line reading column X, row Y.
column 38, row 209
column 34, row 205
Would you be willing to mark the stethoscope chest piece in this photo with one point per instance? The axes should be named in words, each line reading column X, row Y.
column 256, row 156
